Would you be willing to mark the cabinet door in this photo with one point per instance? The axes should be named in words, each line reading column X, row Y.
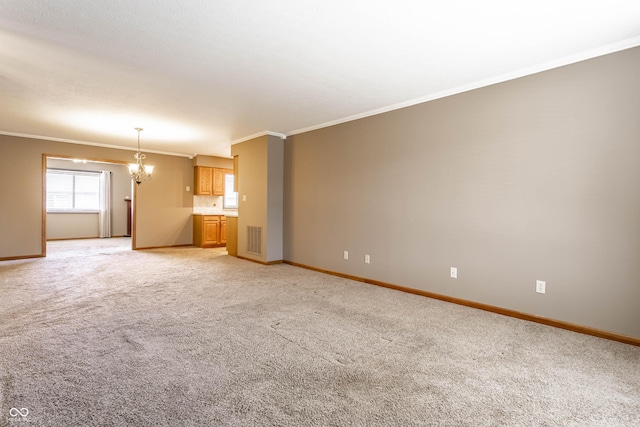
column 223, row 231
column 210, row 231
column 218, row 182
column 203, row 181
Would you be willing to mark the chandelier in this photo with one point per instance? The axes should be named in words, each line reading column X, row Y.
column 140, row 172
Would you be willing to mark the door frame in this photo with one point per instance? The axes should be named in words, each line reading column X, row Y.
column 134, row 191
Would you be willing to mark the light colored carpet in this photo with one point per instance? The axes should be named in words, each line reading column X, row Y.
column 193, row 337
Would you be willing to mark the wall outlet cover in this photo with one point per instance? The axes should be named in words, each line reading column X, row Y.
column 541, row 286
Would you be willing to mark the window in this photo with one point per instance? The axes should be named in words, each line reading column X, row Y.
column 230, row 200
column 72, row 191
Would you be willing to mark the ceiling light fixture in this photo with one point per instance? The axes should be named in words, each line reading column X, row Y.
column 140, row 172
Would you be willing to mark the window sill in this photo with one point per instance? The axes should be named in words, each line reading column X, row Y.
column 73, row 212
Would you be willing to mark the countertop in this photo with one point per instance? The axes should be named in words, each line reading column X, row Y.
column 228, row 214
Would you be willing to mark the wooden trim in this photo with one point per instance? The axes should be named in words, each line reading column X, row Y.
column 73, row 238
column 493, row 309
column 321, row 270
column 83, row 238
column 44, row 205
column 235, row 174
column 88, row 159
column 134, row 216
column 13, row 258
column 261, row 262
column 45, row 156
column 162, row 247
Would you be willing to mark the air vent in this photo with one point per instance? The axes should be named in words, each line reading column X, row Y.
column 254, row 240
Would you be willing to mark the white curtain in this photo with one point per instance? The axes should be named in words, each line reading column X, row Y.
column 104, row 217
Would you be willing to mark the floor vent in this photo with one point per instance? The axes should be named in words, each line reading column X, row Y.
column 254, row 240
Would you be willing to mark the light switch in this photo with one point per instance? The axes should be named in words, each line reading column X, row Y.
column 244, row 197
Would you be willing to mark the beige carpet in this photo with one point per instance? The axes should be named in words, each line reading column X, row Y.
column 191, row 337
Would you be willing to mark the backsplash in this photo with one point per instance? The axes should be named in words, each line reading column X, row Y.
column 205, row 205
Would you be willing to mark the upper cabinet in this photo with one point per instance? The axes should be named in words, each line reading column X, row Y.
column 218, row 182
column 209, row 181
column 203, row 185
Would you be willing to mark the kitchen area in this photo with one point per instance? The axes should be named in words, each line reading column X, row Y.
column 253, row 178
column 215, row 204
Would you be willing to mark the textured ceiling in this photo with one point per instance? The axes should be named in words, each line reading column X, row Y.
column 200, row 74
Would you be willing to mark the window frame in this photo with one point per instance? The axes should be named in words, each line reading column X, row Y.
column 74, row 193
column 228, row 190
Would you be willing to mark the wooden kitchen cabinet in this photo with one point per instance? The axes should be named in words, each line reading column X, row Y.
column 210, row 234
column 203, row 177
column 209, row 181
column 209, row 231
column 218, row 182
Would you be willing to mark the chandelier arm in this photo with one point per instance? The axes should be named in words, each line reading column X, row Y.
column 138, row 170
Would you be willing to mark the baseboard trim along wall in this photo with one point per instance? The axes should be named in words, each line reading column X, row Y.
column 162, row 247
column 13, row 258
column 74, row 238
column 83, row 238
column 504, row 311
column 261, row 262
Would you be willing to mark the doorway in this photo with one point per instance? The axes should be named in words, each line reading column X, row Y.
column 87, row 202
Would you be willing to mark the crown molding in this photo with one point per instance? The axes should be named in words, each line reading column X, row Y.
column 93, row 144
column 258, row 135
column 549, row 65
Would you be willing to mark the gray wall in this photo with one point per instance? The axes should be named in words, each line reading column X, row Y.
column 252, row 191
column 260, row 181
column 275, row 198
column 163, row 205
column 532, row 179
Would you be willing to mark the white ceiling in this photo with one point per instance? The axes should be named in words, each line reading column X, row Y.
column 198, row 75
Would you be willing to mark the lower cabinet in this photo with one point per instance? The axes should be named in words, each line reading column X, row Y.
column 223, row 229
column 209, row 231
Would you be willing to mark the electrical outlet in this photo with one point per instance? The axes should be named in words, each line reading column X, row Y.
column 541, row 286
column 453, row 273
column 367, row 259
column 346, row 255
column 188, row 188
